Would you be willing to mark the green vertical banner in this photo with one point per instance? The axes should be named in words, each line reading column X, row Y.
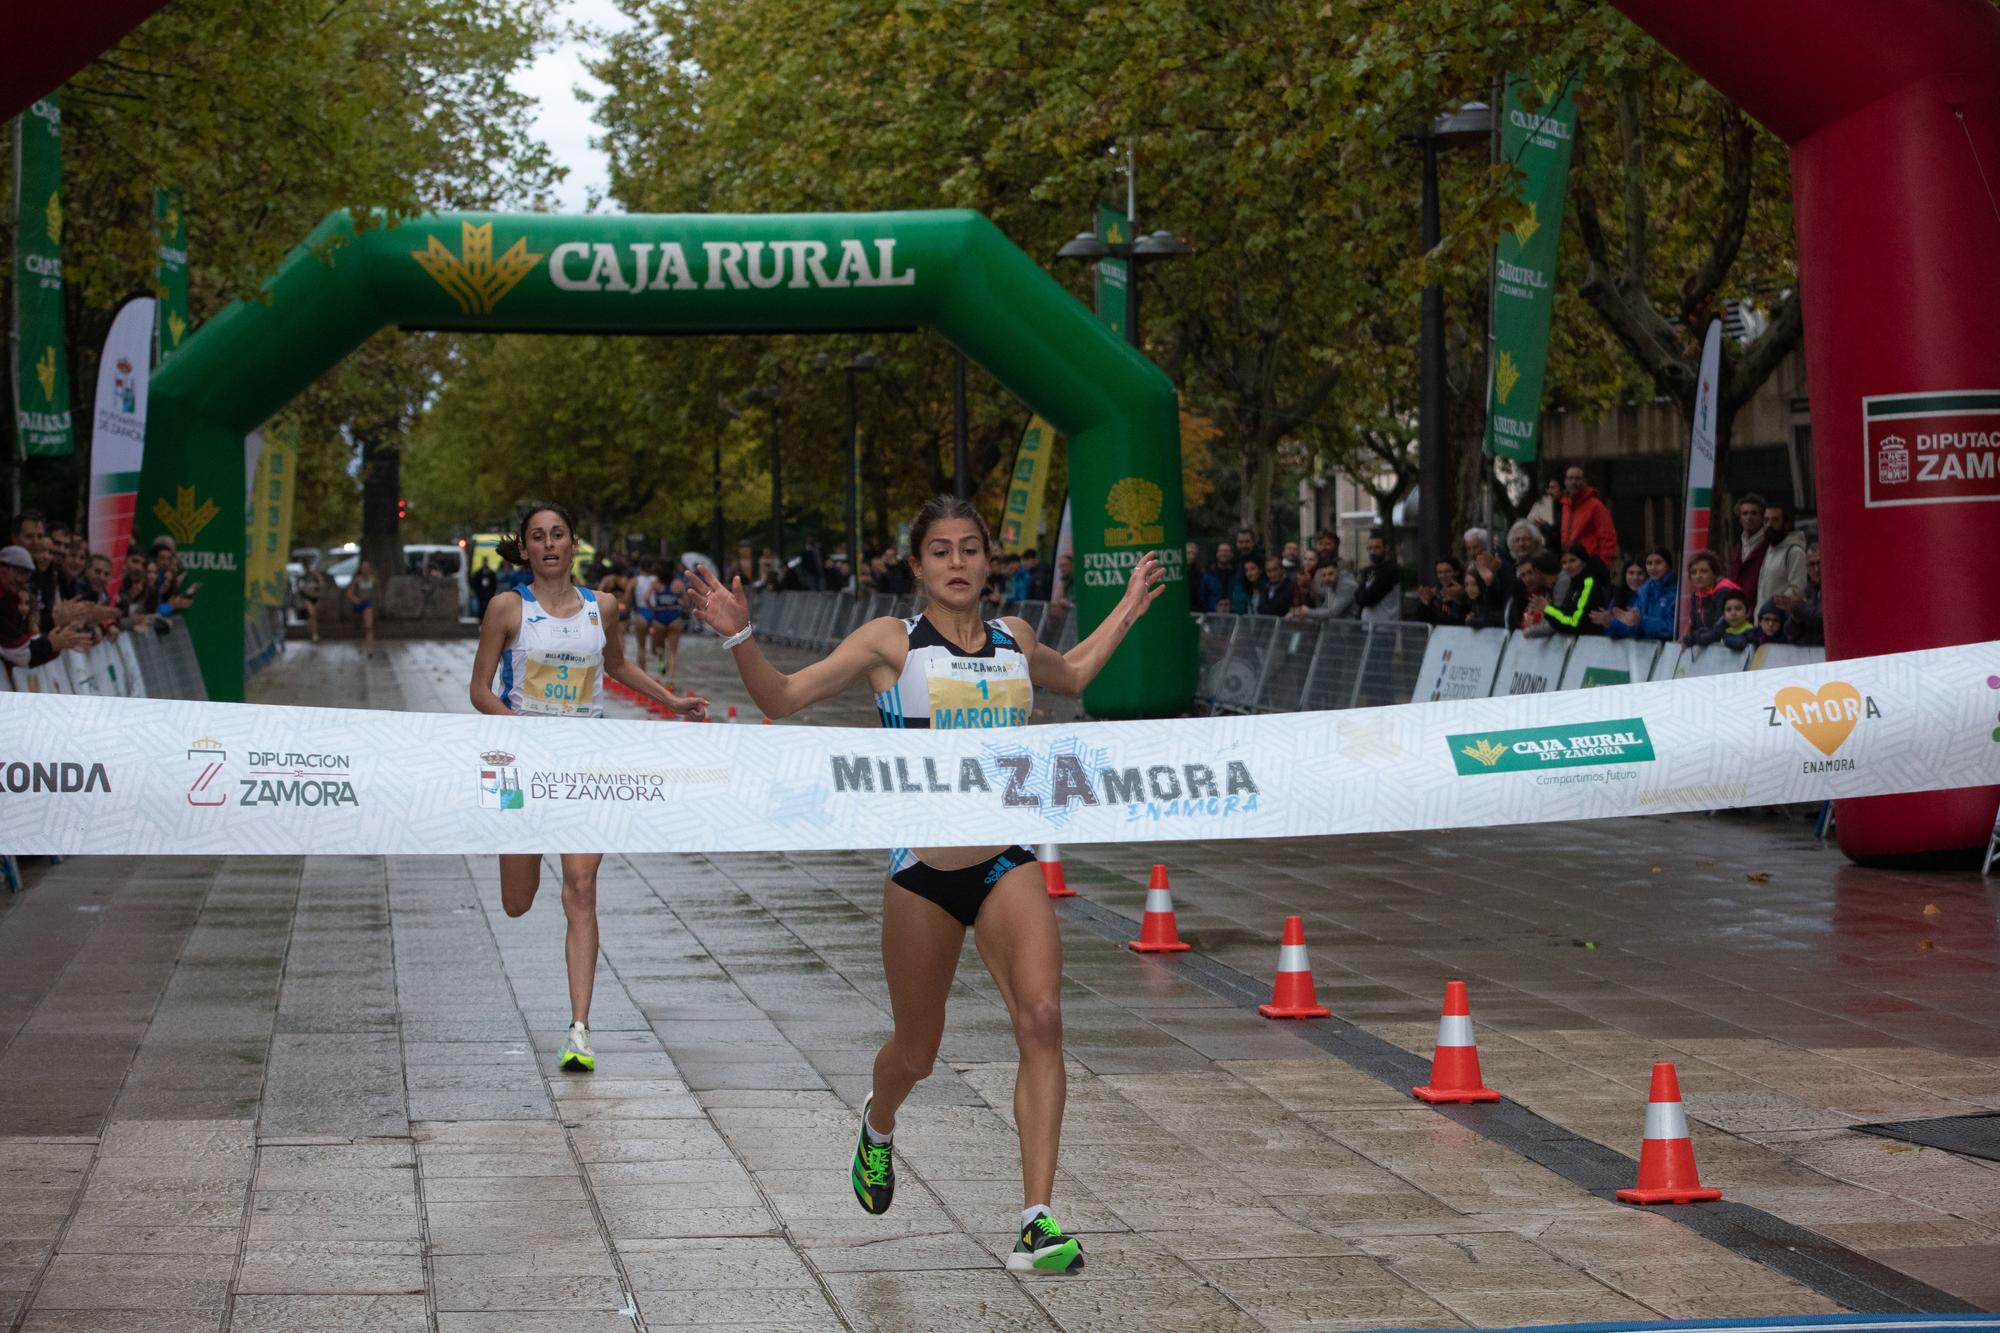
column 41, row 362
column 1021, row 524
column 1113, row 228
column 172, row 280
column 1537, row 128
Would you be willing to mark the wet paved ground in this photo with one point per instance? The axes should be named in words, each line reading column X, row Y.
column 272, row 1094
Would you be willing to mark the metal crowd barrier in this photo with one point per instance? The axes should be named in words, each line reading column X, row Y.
column 166, row 662
column 1249, row 664
column 263, row 639
column 1270, row 664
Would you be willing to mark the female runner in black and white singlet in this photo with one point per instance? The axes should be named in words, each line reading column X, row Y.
column 949, row 668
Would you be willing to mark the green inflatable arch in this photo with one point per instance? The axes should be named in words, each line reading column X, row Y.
column 703, row 273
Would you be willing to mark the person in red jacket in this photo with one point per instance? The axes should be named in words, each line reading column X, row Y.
column 1586, row 519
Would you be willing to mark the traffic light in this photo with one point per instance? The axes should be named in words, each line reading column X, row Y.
column 402, row 510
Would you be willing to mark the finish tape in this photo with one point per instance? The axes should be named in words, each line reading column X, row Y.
column 83, row 774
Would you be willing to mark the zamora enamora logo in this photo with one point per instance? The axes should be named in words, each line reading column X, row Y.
column 1620, row 741
column 473, row 277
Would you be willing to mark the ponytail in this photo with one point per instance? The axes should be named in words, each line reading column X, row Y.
column 509, row 549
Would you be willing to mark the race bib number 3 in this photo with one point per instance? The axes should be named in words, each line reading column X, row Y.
column 559, row 683
column 978, row 692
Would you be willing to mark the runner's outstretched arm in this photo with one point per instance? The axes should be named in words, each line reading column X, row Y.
column 1068, row 673
column 727, row 611
column 633, row 677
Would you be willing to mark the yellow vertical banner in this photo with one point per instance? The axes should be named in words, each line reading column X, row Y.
column 1021, row 524
column 269, row 535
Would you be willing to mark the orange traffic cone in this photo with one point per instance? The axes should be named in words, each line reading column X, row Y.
column 1292, row 991
column 1156, row 931
column 1052, row 871
column 1455, row 1062
column 732, row 712
column 1666, row 1157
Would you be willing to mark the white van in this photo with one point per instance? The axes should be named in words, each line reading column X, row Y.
column 449, row 561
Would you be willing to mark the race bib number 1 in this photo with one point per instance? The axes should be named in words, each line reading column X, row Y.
column 978, row 692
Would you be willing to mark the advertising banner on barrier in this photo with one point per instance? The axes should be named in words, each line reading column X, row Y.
column 118, row 429
column 1531, row 666
column 41, row 351
column 193, row 777
column 1459, row 664
column 1599, row 661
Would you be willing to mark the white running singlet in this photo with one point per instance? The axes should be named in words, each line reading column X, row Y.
column 550, row 668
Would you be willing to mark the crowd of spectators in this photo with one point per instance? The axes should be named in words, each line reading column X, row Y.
column 1561, row 571
column 57, row 597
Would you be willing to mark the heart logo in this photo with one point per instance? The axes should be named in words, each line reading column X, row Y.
column 1825, row 719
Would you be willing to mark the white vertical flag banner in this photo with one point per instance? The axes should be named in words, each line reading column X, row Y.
column 118, row 429
column 1700, row 499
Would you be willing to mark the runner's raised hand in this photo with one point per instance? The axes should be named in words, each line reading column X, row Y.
column 723, row 609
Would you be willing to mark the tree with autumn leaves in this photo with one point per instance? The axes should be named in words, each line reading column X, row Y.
column 1273, row 135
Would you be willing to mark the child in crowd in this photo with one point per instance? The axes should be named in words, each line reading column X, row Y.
column 1770, row 625
column 1738, row 633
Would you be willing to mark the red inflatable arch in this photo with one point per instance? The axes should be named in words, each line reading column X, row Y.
column 1892, row 111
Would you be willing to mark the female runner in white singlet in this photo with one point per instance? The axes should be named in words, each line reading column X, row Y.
column 550, row 643
column 948, row 668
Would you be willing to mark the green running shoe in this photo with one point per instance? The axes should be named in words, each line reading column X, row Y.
column 576, row 1052
column 874, row 1172
column 1044, row 1249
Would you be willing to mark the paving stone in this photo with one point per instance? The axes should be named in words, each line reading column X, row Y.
column 135, row 1282
column 547, row 1291
column 791, row 1307
column 151, row 1240
column 331, row 1267
column 713, row 1263
column 40, row 1320
column 906, row 1302
column 254, row 1313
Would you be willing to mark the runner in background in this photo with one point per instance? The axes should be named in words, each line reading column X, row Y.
column 951, row 668
column 668, row 590
column 550, row 641
column 642, row 605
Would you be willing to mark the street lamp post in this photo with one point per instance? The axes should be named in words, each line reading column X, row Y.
column 856, row 363
column 767, row 395
column 1472, row 123
column 1140, row 251
column 961, row 450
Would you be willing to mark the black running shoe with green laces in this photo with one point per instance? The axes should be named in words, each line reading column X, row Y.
column 1043, row 1248
column 874, row 1171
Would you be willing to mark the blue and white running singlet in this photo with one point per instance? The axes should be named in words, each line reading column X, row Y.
column 550, row 669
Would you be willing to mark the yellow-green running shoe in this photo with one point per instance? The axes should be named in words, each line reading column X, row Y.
column 1042, row 1248
column 874, row 1172
column 576, row 1052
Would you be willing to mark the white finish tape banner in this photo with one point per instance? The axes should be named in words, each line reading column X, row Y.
column 108, row 775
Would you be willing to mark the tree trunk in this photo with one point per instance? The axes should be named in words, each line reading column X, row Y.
column 381, row 487
column 1259, row 475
